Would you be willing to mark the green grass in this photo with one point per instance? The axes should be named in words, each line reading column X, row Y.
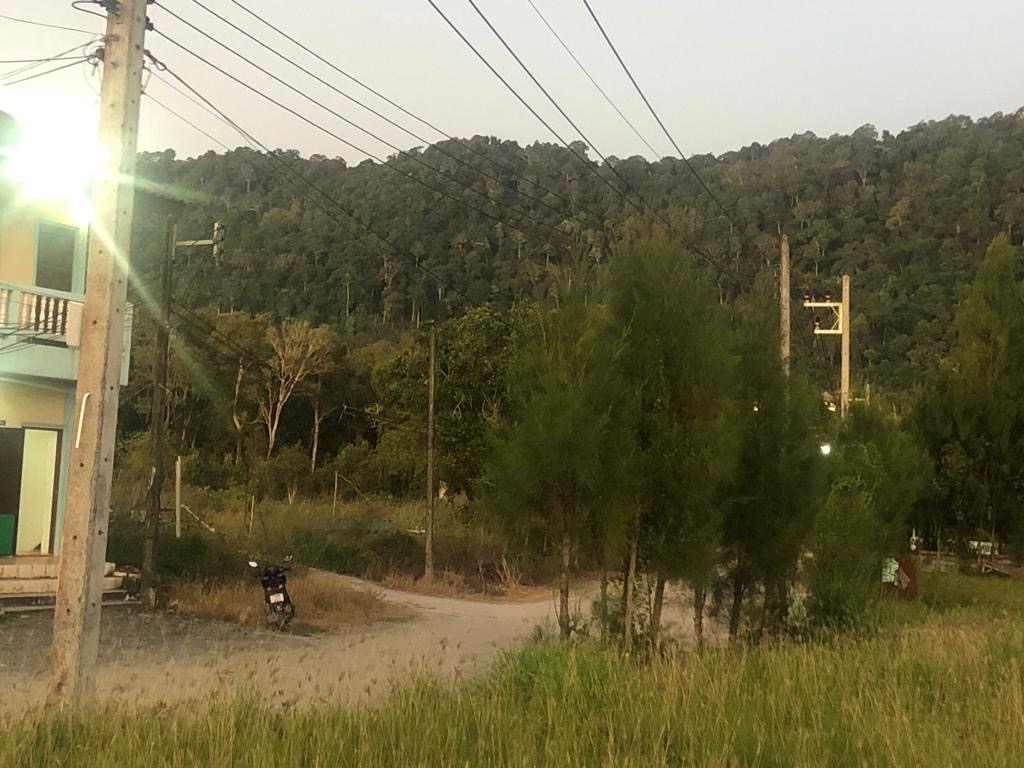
column 943, row 687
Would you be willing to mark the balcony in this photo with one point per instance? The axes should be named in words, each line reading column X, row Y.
column 39, row 316
column 41, row 332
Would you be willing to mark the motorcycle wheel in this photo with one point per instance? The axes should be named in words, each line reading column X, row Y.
column 285, row 616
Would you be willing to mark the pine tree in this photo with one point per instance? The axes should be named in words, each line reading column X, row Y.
column 678, row 362
column 558, row 466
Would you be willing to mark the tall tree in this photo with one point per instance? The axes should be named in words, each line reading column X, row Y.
column 299, row 350
column 558, row 462
column 678, row 362
column 986, row 392
column 772, row 498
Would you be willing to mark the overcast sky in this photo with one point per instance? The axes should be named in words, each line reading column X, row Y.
column 722, row 74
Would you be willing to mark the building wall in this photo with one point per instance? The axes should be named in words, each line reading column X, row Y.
column 19, row 227
column 27, row 404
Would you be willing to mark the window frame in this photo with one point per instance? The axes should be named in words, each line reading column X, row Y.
column 77, row 286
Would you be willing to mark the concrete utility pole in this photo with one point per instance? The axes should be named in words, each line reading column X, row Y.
column 76, row 622
column 156, row 418
column 428, row 571
column 844, row 376
column 784, row 308
column 840, row 327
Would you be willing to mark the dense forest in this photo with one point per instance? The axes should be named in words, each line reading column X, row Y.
column 300, row 349
column 907, row 215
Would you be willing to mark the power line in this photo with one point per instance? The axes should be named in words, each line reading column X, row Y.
column 692, row 246
column 514, row 189
column 355, row 125
column 47, row 72
column 643, row 96
column 467, row 144
column 561, row 111
column 534, row 112
column 55, row 57
column 40, row 61
column 259, row 156
column 42, row 24
column 336, row 203
column 185, row 120
column 593, row 81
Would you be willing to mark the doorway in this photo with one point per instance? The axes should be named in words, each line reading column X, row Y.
column 30, row 462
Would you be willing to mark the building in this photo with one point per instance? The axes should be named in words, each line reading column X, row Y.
column 42, row 286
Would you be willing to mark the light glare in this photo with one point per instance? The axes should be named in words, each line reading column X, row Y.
column 56, row 159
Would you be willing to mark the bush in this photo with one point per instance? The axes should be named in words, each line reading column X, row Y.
column 844, row 575
column 195, row 555
column 359, row 546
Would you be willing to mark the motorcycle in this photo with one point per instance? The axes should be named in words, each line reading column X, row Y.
column 277, row 603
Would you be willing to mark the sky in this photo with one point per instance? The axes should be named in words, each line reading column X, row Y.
column 722, row 75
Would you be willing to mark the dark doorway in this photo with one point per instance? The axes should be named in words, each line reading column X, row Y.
column 12, row 448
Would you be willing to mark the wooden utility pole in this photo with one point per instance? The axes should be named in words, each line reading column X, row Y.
column 76, row 623
column 428, row 571
column 844, row 374
column 156, row 419
column 784, row 308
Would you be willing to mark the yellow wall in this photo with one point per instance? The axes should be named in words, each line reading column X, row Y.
column 25, row 404
column 18, row 223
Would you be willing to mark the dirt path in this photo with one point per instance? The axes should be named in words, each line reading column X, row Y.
column 150, row 659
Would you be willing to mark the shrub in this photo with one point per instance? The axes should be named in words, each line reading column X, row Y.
column 196, row 555
column 359, row 546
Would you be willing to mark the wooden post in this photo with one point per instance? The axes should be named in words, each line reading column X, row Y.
column 334, row 502
column 428, row 571
column 784, row 302
column 76, row 623
column 252, row 512
column 628, row 589
column 177, row 498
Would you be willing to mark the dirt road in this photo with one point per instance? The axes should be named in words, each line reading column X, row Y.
column 146, row 658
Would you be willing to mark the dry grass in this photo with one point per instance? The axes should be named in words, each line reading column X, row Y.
column 322, row 601
column 953, row 697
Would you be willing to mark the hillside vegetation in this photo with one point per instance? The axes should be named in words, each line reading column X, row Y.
column 907, row 215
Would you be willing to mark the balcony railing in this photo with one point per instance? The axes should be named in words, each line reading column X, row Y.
column 38, row 315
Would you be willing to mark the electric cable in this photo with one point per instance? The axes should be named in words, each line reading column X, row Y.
column 355, row 125
column 81, row 60
column 423, row 121
column 336, row 203
column 593, row 81
column 49, row 26
column 557, row 106
column 55, row 57
column 664, row 129
column 512, row 187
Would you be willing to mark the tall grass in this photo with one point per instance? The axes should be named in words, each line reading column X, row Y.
column 947, row 692
column 321, row 599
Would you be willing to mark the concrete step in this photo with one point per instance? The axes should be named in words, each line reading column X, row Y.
column 26, row 602
column 46, row 586
column 37, row 568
